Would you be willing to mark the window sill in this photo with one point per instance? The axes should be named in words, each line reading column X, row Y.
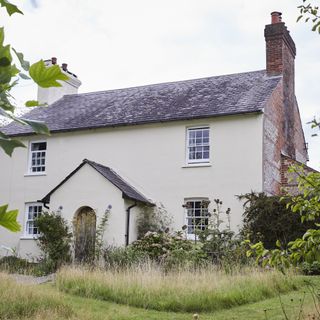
column 28, row 238
column 192, row 237
column 35, row 174
column 196, row 165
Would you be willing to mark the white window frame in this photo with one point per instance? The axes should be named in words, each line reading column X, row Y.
column 193, row 236
column 188, row 146
column 30, row 166
column 29, row 220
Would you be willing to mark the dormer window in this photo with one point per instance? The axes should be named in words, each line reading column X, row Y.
column 37, row 157
column 198, row 148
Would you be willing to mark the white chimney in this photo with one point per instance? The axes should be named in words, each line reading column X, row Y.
column 50, row 95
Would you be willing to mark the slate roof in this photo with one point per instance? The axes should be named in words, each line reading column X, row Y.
column 128, row 191
column 191, row 99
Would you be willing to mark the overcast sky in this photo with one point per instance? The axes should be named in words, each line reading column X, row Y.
column 120, row 43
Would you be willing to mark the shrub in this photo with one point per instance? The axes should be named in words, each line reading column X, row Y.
column 54, row 240
column 269, row 219
column 172, row 250
column 312, row 269
column 13, row 264
column 223, row 247
column 152, row 219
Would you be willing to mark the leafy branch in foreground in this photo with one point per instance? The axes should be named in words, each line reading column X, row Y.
column 8, row 219
column 310, row 13
column 10, row 75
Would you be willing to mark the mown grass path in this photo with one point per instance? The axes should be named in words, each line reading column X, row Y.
column 87, row 308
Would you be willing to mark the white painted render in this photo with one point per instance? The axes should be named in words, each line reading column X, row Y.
column 88, row 188
column 150, row 157
column 50, row 95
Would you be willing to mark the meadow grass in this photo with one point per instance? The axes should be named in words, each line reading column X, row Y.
column 202, row 290
column 37, row 302
column 21, row 301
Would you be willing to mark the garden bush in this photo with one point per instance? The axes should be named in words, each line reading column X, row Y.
column 170, row 249
column 269, row 218
column 54, row 240
column 13, row 264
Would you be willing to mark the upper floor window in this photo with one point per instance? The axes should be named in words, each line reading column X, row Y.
column 33, row 211
column 37, row 157
column 198, row 148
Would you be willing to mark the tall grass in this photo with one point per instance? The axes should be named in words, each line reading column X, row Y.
column 20, row 301
column 202, row 290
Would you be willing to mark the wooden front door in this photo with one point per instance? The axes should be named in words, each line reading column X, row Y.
column 85, row 234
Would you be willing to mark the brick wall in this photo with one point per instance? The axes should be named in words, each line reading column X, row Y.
column 289, row 180
column 283, row 133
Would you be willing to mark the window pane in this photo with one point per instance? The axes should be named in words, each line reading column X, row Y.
column 38, row 155
column 197, row 216
column 198, row 144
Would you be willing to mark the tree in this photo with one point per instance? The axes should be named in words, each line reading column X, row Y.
column 10, row 75
column 260, row 209
column 306, row 248
column 309, row 13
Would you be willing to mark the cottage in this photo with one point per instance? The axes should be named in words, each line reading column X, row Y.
column 164, row 145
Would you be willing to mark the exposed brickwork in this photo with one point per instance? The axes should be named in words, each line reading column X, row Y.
column 283, row 132
column 289, row 180
column 278, row 40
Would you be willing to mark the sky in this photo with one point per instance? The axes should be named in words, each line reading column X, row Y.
column 112, row 44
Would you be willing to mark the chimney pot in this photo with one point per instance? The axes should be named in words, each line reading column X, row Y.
column 54, row 60
column 276, row 17
column 64, row 67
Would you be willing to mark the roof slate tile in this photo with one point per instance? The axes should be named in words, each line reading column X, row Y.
column 181, row 100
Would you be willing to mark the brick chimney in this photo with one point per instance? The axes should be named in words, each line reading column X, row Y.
column 50, row 95
column 280, row 56
column 280, row 48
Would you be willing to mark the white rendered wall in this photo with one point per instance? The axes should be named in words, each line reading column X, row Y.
column 88, row 188
column 152, row 159
column 52, row 94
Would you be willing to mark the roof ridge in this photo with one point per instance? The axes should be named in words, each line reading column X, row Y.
column 162, row 83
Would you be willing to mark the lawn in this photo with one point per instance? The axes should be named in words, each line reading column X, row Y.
column 19, row 301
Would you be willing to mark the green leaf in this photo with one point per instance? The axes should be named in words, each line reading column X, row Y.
column 314, row 28
column 8, row 219
column 299, row 18
column 32, row 103
column 1, row 36
column 8, row 144
column 47, row 77
column 24, row 64
column 14, row 70
column 5, row 103
column 37, row 126
column 278, row 244
column 11, row 8
column 24, row 76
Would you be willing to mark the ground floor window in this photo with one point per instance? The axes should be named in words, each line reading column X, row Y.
column 197, row 215
column 33, row 210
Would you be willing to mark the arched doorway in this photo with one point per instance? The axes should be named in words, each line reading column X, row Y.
column 84, row 226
